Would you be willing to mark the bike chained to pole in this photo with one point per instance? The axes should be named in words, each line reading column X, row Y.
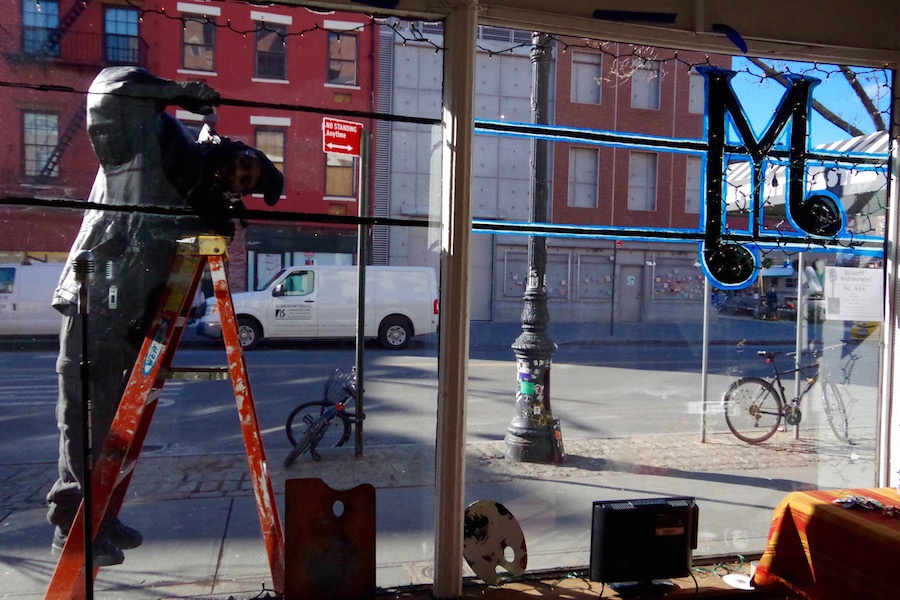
column 755, row 406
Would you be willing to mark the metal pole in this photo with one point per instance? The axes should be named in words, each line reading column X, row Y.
column 362, row 252
column 612, row 298
column 83, row 266
column 534, row 435
column 801, row 330
column 704, row 369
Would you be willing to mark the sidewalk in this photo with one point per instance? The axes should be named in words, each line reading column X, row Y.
column 202, row 537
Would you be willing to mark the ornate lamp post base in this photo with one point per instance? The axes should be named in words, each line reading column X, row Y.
column 534, row 435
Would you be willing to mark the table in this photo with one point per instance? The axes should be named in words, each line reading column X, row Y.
column 821, row 550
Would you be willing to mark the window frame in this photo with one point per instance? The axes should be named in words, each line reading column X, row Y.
column 330, row 181
column 207, row 24
column 693, row 174
column 132, row 47
column 340, row 37
column 43, row 22
column 643, row 80
column 265, row 29
column 578, row 160
column 580, row 68
column 33, row 162
column 647, row 192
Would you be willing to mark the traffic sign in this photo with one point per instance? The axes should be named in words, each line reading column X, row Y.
column 341, row 137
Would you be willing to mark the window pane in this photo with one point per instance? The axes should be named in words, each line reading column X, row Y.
column 271, row 141
column 271, row 52
column 342, row 58
column 41, row 132
column 645, row 84
column 692, row 180
column 122, row 36
column 642, row 181
column 199, row 44
column 698, row 93
column 39, row 21
column 583, row 175
column 340, row 176
column 586, row 75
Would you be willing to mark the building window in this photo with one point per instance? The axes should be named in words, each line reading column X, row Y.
column 642, row 181
column 271, row 51
column 271, row 142
column 340, row 176
column 697, row 102
column 343, row 58
column 645, row 84
column 583, row 177
column 40, row 136
column 692, row 180
column 199, row 43
column 121, row 29
column 586, row 77
column 39, row 21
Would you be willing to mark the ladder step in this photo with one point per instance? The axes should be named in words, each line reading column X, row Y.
column 197, row 373
column 127, row 467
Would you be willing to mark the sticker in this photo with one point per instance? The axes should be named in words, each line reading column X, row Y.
column 156, row 348
column 526, row 387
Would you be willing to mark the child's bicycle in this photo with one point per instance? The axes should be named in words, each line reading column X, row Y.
column 326, row 422
column 754, row 406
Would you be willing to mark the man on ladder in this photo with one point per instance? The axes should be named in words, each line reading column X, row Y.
column 148, row 159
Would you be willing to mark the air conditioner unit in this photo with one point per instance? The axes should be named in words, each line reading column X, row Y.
column 637, row 544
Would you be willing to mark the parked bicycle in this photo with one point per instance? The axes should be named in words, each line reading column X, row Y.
column 327, row 422
column 755, row 406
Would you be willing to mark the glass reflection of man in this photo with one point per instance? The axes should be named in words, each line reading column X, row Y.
column 147, row 159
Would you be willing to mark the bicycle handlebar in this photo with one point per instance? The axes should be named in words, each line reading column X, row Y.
column 769, row 355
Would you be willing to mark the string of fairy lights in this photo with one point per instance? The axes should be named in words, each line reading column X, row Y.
column 624, row 60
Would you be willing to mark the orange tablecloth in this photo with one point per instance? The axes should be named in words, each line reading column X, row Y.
column 822, row 551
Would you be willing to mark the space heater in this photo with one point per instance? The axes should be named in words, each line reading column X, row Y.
column 636, row 545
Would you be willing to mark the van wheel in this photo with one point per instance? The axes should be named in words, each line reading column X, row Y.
column 395, row 333
column 249, row 332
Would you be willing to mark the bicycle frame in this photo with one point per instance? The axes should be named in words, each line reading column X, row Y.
column 802, row 369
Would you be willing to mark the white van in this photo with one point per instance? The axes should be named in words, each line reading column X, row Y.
column 321, row 302
column 26, row 292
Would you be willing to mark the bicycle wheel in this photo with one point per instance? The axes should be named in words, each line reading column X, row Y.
column 835, row 411
column 752, row 409
column 304, row 417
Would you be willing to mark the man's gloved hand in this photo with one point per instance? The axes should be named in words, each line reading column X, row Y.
column 197, row 97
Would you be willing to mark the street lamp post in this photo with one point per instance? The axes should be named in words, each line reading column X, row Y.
column 534, row 435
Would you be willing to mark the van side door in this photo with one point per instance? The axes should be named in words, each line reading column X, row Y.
column 8, row 320
column 294, row 311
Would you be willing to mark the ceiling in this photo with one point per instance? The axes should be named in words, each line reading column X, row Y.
column 864, row 32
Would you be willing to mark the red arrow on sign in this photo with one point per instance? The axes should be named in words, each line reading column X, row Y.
column 341, row 137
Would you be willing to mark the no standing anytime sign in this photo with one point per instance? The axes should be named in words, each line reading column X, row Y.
column 341, row 137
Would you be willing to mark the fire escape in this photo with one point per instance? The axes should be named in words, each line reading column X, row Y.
column 50, row 47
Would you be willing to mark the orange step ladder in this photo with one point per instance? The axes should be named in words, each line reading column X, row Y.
column 114, row 466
